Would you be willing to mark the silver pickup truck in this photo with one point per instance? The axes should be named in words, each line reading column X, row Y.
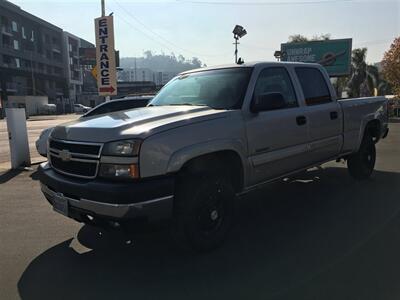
column 209, row 136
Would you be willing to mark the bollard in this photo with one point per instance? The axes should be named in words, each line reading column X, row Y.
column 18, row 137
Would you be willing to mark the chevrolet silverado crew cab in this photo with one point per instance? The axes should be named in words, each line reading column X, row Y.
column 208, row 136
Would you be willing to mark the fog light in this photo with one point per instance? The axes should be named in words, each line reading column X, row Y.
column 119, row 171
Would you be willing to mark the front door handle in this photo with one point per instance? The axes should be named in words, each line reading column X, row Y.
column 301, row 120
column 334, row 115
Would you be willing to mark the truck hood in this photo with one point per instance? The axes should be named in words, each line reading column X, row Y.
column 135, row 123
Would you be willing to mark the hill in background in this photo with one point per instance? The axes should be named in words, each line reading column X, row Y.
column 161, row 62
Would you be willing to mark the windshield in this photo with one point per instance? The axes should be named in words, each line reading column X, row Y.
column 220, row 89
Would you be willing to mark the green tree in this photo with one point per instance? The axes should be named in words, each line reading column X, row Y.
column 391, row 66
column 358, row 71
column 298, row 38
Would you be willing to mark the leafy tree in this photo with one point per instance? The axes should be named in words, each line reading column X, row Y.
column 391, row 66
column 298, row 38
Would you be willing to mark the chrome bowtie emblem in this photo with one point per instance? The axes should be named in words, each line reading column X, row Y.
column 65, row 155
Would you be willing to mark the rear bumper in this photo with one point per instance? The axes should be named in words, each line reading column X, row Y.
column 119, row 201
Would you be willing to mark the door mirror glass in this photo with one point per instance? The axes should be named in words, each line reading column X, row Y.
column 269, row 101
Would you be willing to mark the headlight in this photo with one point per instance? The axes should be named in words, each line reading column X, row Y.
column 119, row 171
column 122, row 148
column 46, row 131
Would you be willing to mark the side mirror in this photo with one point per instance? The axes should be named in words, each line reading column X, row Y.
column 268, row 101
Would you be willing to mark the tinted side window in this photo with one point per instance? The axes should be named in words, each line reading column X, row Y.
column 276, row 80
column 314, row 86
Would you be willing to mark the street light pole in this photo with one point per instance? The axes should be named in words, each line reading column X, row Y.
column 103, row 8
column 236, row 50
column 238, row 32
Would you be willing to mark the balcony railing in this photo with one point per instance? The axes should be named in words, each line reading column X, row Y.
column 6, row 30
column 56, row 48
column 59, row 91
column 8, row 46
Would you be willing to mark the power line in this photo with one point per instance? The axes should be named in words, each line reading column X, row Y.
column 160, row 36
column 142, row 32
column 269, row 3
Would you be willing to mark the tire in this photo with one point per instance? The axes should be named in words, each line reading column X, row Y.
column 203, row 212
column 362, row 163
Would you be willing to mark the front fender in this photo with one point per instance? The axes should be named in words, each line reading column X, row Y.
column 183, row 155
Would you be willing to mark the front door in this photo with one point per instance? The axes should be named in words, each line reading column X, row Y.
column 277, row 139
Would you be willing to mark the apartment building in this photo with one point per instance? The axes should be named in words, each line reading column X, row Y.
column 40, row 59
column 74, row 70
column 31, row 55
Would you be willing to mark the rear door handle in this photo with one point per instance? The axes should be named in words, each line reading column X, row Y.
column 334, row 115
column 301, row 120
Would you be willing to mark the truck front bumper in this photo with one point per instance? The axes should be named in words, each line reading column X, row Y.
column 88, row 200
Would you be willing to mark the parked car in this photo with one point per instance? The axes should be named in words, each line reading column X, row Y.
column 119, row 104
column 49, row 109
column 208, row 136
column 103, row 108
column 81, row 109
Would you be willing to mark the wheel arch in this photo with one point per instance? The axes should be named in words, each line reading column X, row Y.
column 372, row 126
column 203, row 159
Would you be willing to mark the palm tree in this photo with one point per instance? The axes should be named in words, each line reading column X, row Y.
column 364, row 78
column 358, row 71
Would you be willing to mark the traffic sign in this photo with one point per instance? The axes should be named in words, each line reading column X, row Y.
column 334, row 55
column 105, row 56
column 94, row 72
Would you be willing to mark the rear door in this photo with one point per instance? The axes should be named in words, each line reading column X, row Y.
column 324, row 113
column 277, row 139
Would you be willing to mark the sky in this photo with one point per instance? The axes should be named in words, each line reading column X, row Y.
column 203, row 28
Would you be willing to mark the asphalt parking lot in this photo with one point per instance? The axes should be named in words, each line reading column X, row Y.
column 321, row 235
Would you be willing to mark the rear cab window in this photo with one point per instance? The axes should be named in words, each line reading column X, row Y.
column 314, row 86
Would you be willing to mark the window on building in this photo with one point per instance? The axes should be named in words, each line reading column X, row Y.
column 17, row 63
column 27, row 64
column 16, row 45
column 6, row 60
column 33, row 36
column 23, row 32
column 14, row 26
column 71, row 61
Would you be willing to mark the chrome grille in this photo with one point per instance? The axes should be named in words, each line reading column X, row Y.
column 77, row 159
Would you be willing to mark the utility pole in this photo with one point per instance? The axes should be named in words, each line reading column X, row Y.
column 135, row 77
column 33, row 77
